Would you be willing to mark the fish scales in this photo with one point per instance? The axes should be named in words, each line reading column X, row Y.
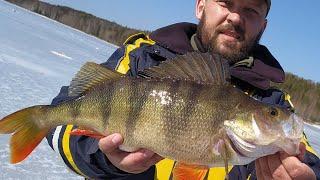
column 173, row 118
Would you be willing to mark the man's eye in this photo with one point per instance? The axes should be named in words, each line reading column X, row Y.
column 224, row 3
column 252, row 11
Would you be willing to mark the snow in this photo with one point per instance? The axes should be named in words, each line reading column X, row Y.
column 313, row 134
column 61, row 55
column 37, row 57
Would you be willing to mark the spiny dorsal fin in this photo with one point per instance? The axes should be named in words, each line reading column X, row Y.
column 195, row 66
column 90, row 75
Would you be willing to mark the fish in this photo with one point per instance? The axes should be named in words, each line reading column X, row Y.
column 185, row 109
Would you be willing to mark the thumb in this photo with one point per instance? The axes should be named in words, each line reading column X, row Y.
column 110, row 143
column 302, row 149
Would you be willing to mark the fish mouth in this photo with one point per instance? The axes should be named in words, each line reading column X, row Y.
column 240, row 146
column 247, row 149
column 235, row 149
column 293, row 128
column 242, row 154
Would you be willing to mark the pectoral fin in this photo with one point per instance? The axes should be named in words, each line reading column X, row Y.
column 84, row 132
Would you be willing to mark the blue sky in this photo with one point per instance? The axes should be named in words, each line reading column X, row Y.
column 292, row 34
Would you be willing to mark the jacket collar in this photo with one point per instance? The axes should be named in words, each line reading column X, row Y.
column 175, row 37
column 264, row 69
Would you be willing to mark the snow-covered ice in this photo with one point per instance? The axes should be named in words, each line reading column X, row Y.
column 37, row 57
column 313, row 134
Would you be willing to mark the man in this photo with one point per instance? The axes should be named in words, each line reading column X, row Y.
column 230, row 28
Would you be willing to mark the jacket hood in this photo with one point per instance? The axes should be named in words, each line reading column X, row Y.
column 265, row 67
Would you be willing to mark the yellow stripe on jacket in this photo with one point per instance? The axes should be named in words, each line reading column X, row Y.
column 66, row 149
column 164, row 171
column 124, row 63
column 308, row 146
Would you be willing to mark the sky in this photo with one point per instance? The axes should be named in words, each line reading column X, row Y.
column 292, row 34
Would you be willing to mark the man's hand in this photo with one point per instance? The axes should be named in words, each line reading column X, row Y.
column 283, row 166
column 135, row 162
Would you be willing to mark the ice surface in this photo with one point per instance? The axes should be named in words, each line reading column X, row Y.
column 37, row 57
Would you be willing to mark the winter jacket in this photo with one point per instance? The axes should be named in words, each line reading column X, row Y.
column 82, row 155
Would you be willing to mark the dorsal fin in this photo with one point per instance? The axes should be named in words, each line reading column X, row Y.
column 90, row 75
column 195, row 66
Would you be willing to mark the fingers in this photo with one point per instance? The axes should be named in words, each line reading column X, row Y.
column 155, row 159
column 295, row 168
column 270, row 167
column 110, row 143
column 262, row 169
column 291, row 163
column 147, row 159
column 276, row 168
column 302, row 149
column 136, row 162
column 133, row 162
column 258, row 170
column 284, row 166
column 138, row 158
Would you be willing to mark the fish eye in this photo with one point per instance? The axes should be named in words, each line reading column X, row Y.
column 273, row 112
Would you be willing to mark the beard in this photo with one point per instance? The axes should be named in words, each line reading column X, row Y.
column 232, row 51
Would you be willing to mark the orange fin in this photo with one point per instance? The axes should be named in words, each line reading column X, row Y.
column 84, row 132
column 183, row 171
column 26, row 133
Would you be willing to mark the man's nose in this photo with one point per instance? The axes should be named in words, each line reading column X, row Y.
column 234, row 18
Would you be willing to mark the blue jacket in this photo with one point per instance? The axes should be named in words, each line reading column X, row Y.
column 82, row 155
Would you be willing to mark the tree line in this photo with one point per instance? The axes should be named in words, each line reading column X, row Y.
column 305, row 96
column 304, row 93
column 88, row 23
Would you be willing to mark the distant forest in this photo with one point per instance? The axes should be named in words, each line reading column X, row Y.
column 88, row 23
column 305, row 94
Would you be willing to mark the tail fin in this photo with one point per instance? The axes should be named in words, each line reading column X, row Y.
column 26, row 133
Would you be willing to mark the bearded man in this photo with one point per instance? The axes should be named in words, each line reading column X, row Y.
column 229, row 28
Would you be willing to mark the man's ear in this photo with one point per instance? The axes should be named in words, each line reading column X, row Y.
column 265, row 24
column 200, row 4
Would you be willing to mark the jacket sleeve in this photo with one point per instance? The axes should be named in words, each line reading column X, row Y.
column 81, row 153
column 311, row 158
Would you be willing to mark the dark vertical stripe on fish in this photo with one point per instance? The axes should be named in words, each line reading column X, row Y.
column 194, row 92
column 221, row 109
column 136, row 102
column 75, row 108
column 106, row 105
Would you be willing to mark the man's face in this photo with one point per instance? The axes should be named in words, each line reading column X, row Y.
column 231, row 28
